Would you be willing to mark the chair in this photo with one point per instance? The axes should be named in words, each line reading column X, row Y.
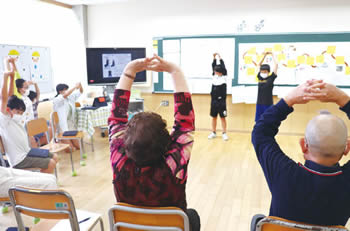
column 126, row 217
column 51, row 204
column 38, row 126
column 77, row 104
column 262, row 223
column 59, row 136
column 2, row 154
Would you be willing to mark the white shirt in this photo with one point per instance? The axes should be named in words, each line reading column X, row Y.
column 28, row 114
column 65, row 109
column 219, row 80
column 15, row 139
column 11, row 177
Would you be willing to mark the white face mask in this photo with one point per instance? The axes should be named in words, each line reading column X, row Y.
column 26, row 93
column 264, row 75
column 17, row 118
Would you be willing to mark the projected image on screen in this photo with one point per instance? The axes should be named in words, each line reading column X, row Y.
column 113, row 64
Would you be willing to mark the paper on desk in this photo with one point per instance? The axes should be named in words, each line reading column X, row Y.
column 65, row 224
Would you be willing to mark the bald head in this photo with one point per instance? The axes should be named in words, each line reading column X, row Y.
column 326, row 135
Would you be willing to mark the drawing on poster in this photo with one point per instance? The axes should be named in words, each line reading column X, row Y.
column 36, row 72
column 297, row 62
column 33, row 63
column 113, row 64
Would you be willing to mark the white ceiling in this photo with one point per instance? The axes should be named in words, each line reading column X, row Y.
column 89, row 2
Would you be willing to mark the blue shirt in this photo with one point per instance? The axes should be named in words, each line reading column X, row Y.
column 309, row 193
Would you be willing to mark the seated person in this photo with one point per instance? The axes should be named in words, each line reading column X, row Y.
column 149, row 164
column 316, row 192
column 13, row 134
column 15, row 177
column 64, row 105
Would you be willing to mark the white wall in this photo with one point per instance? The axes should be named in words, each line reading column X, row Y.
column 27, row 22
column 134, row 23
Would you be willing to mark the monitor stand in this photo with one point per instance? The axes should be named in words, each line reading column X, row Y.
column 108, row 91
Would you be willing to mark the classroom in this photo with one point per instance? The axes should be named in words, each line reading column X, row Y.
column 109, row 115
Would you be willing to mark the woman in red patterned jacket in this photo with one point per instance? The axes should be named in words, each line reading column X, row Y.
column 149, row 164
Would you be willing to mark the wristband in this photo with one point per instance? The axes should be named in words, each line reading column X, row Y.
column 129, row 76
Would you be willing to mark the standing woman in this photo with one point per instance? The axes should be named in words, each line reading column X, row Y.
column 64, row 105
column 218, row 96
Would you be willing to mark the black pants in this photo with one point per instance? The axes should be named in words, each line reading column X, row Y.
column 195, row 221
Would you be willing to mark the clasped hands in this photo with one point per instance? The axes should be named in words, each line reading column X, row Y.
column 155, row 63
column 316, row 90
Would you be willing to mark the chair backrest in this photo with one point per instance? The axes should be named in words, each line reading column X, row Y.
column 47, row 204
column 279, row 224
column 54, row 123
column 2, row 152
column 77, row 104
column 37, row 126
column 126, row 217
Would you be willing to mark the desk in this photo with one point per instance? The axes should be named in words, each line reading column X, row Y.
column 87, row 120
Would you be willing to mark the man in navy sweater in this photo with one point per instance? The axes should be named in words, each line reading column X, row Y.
column 318, row 191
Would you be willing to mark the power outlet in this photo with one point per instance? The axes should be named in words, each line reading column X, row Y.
column 164, row 103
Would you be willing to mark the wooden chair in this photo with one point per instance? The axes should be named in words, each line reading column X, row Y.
column 37, row 126
column 3, row 200
column 126, row 217
column 279, row 224
column 51, row 204
column 59, row 136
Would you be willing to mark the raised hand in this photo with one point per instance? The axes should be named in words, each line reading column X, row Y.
column 160, row 65
column 301, row 94
column 328, row 93
column 137, row 65
column 77, row 85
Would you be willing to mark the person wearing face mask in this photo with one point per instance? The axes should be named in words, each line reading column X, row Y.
column 23, row 89
column 64, row 105
column 218, row 96
column 13, row 133
column 265, row 86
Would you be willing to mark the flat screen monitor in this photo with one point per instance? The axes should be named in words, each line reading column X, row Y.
column 106, row 65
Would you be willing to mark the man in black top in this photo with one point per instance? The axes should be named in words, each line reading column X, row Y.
column 318, row 191
column 218, row 96
column 265, row 86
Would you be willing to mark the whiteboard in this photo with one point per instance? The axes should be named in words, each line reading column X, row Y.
column 33, row 63
column 298, row 62
column 195, row 57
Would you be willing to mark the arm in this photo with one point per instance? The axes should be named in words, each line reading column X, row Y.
column 270, row 156
column 118, row 118
column 276, row 64
column 4, row 94
column 213, row 64
column 37, row 90
column 122, row 93
column 81, row 88
column 70, row 91
column 223, row 67
column 11, row 87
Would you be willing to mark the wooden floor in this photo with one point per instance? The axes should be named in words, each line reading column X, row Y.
column 225, row 183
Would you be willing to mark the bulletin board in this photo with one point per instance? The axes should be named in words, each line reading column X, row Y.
column 297, row 62
column 33, row 63
column 301, row 56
